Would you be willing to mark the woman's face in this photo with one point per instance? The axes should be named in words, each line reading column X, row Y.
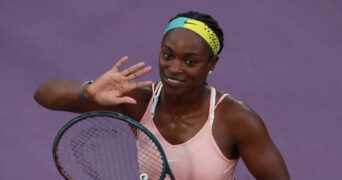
column 184, row 61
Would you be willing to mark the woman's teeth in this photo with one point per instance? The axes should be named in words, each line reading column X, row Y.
column 173, row 80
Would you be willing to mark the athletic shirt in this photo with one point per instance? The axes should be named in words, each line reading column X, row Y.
column 199, row 158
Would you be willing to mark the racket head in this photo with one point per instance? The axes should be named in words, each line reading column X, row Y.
column 107, row 145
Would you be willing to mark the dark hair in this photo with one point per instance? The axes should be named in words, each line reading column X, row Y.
column 208, row 20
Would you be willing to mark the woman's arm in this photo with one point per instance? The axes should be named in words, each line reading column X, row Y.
column 107, row 92
column 255, row 146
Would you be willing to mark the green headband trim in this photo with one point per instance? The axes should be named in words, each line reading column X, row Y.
column 199, row 28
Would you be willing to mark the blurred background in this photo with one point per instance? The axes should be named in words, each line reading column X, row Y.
column 283, row 58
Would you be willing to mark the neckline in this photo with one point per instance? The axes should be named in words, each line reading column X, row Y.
column 207, row 124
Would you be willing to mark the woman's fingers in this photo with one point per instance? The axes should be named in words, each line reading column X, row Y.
column 125, row 99
column 111, row 87
column 133, row 69
column 139, row 73
column 117, row 66
column 131, row 72
column 141, row 84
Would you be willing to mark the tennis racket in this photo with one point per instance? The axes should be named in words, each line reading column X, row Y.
column 103, row 145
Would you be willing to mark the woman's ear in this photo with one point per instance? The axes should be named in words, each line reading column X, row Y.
column 212, row 63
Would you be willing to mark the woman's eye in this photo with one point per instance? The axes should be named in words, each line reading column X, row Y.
column 190, row 62
column 167, row 56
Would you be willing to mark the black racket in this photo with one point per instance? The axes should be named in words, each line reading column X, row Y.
column 104, row 145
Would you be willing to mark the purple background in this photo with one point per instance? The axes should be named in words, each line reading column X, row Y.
column 282, row 58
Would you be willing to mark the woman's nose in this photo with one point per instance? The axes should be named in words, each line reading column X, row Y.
column 176, row 66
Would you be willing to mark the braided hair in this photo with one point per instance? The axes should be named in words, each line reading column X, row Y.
column 208, row 20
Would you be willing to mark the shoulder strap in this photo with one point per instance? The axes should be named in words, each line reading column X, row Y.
column 155, row 96
column 221, row 99
column 213, row 104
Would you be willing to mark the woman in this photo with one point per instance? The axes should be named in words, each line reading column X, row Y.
column 202, row 130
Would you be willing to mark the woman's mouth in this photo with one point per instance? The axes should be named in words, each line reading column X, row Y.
column 173, row 81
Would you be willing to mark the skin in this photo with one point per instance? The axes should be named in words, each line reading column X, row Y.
column 184, row 63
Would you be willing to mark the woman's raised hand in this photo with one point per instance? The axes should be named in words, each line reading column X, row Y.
column 111, row 87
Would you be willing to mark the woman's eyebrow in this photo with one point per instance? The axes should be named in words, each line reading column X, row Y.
column 168, row 48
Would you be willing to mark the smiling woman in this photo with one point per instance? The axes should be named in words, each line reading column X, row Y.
column 203, row 131
column 184, row 61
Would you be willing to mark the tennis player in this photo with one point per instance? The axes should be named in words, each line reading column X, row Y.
column 203, row 131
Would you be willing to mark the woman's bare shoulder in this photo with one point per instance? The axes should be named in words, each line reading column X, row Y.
column 231, row 104
column 236, row 115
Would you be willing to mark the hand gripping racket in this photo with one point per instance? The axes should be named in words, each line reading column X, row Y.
column 104, row 145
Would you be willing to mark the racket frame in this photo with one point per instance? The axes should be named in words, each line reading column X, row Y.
column 110, row 114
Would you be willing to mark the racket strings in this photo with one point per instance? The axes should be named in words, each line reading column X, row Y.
column 150, row 159
column 77, row 146
column 100, row 149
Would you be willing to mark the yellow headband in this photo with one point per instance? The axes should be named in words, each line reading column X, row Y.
column 199, row 28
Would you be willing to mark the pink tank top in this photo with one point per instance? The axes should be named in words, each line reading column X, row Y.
column 199, row 157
